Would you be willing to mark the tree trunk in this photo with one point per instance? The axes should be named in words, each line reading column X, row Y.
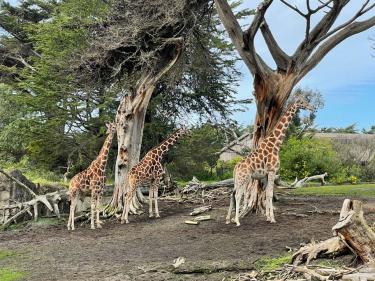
column 130, row 119
column 130, row 122
column 271, row 96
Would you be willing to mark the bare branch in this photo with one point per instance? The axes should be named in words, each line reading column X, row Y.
column 294, row 8
column 328, row 45
column 28, row 189
column 360, row 12
column 249, row 35
column 281, row 58
column 234, row 30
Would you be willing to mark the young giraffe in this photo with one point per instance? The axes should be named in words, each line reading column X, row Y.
column 91, row 180
column 263, row 160
column 149, row 171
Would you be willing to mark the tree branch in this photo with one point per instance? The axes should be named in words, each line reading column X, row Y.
column 249, row 35
column 32, row 193
column 280, row 57
column 234, row 30
column 327, row 46
column 360, row 12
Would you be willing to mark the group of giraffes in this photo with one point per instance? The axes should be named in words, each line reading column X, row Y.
column 264, row 159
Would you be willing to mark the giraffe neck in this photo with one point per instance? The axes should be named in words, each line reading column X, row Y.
column 103, row 154
column 278, row 134
column 167, row 144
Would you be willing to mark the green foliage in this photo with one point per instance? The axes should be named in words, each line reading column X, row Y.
column 358, row 190
column 10, row 275
column 224, row 169
column 196, row 155
column 269, row 264
column 307, row 156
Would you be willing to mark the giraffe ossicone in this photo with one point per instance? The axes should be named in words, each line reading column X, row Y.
column 262, row 163
column 149, row 171
column 91, row 180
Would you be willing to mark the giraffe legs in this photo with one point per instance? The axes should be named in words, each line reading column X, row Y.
column 269, row 197
column 125, row 213
column 150, row 198
column 238, row 199
column 156, row 189
column 97, row 211
column 153, row 196
column 93, row 209
column 228, row 218
column 73, row 203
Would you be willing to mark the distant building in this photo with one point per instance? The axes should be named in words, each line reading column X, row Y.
column 359, row 146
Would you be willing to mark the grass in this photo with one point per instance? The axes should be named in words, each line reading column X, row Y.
column 270, row 264
column 364, row 190
column 5, row 254
column 44, row 222
column 10, row 275
column 7, row 274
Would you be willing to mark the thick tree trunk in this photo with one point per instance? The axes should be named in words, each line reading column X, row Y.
column 271, row 97
column 130, row 120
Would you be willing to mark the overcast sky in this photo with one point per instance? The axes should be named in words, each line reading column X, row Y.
column 345, row 77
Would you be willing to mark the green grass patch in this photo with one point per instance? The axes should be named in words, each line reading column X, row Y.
column 338, row 190
column 10, row 275
column 5, row 254
column 44, row 222
column 270, row 264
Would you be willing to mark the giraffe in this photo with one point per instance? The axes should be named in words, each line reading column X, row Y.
column 263, row 162
column 91, row 180
column 149, row 170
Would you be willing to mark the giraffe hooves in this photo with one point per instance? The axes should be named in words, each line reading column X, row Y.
column 99, row 226
column 150, row 215
column 157, row 216
column 227, row 221
column 92, row 227
column 238, row 224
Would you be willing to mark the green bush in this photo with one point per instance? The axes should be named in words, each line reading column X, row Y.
column 307, row 156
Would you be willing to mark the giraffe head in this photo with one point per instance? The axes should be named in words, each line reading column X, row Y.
column 111, row 128
column 302, row 103
column 184, row 130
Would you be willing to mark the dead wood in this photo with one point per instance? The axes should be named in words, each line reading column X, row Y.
column 208, row 267
column 352, row 233
column 49, row 200
column 354, row 230
column 328, row 248
column 200, row 210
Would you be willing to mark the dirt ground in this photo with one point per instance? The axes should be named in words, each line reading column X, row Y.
column 128, row 252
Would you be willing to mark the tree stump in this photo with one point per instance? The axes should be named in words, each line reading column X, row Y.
column 353, row 229
column 351, row 233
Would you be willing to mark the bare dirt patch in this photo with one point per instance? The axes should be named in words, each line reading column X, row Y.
column 129, row 252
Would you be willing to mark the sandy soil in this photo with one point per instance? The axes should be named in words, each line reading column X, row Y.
column 123, row 252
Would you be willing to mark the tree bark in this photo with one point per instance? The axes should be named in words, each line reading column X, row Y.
column 271, row 97
column 130, row 119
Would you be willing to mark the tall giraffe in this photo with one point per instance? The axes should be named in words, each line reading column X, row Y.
column 91, row 180
column 263, row 160
column 149, row 171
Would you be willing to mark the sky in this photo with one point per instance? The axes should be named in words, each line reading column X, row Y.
column 345, row 77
